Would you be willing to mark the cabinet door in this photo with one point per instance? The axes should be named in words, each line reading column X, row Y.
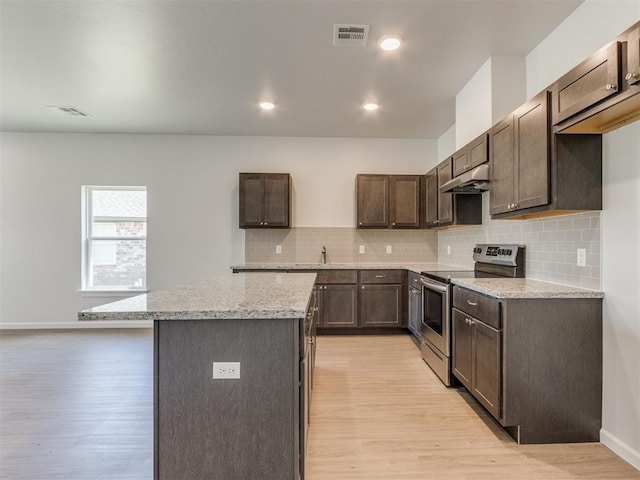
column 404, row 207
column 445, row 200
column 380, row 305
column 373, row 198
column 460, row 162
column 501, row 154
column 533, row 154
column 251, row 195
column 479, row 151
column 276, row 200
column 486, row 367
column 339, row 306
column 633, row 57
column 431, row 209
column 590, row 82
column 462, row 348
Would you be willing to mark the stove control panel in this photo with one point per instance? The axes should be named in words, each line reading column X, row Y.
column 511, row 255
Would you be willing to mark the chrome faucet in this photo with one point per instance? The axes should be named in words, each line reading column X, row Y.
column 323, row 255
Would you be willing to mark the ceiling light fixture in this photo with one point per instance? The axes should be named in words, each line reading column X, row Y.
column 267, row 105
column 370, row 106
column 390, row 42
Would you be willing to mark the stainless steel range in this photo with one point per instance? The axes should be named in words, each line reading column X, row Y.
column 491, row 260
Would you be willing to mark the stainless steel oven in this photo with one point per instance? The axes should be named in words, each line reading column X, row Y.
column 437, row 288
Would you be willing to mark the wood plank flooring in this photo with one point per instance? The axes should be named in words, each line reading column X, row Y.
column 78, row 405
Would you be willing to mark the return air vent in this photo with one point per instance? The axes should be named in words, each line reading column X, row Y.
column 350, row 35
column 70, row 111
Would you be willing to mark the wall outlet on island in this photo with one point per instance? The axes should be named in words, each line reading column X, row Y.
column 223, row 370
column 361, row 249
column 278, row 248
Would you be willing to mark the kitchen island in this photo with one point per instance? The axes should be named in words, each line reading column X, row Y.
column 252, row 426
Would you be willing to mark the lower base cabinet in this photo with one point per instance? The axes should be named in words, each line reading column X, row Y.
column 338, row 306
column 535, row 364
column 380, row 305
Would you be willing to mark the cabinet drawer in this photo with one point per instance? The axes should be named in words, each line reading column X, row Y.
column 380, row 276
column 486, row 309
column 337, row 276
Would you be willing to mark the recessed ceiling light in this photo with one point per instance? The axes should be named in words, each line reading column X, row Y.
column 267, row 105
column 370, row 106
column 390, row 42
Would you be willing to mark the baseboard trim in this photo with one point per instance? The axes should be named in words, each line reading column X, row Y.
column 620, row 448
column 63, row 325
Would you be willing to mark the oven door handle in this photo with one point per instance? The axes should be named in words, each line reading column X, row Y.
column 438, row 287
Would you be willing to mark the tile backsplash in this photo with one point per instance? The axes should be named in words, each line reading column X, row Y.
column 304, row 244
column 551, row 245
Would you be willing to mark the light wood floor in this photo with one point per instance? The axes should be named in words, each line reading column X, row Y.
column 78, row 405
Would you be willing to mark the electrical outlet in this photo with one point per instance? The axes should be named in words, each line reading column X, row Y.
column 389, row 249
column 582, row 257
column 361, row 249
column 448, row 249
column 278, row 248
column 226, row 370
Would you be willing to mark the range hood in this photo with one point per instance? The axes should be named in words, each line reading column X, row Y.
column 473, row 181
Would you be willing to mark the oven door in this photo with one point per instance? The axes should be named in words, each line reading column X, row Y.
column 436, row 315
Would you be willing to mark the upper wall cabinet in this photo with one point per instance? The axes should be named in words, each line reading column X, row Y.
column 470, row 156
column 265, row 200
column 602, row 92
column 388, row 201
column 446, row 209
column 534, row 173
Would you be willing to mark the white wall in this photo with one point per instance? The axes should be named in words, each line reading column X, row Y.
column 473, row 106
column 447, row 143
column 591, row 26
column 192, row 203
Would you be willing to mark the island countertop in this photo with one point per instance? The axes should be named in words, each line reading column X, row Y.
column 233, row 296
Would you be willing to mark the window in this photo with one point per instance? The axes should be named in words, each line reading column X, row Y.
column 114, row 247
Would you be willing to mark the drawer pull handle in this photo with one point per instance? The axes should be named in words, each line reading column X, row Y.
column 473, row 304
column 610, row 86
column 380, row 276
column 468, row 321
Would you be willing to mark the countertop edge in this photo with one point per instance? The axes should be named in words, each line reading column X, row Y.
column 544, row 290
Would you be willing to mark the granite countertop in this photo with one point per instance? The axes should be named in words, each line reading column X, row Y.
column 524, row 288
column 417, row 268
column 234, row 296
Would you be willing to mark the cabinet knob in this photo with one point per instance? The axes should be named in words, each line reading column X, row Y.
column 393, row 223
column 610, row 86
column 363, row 287
column 266, row 223
column 631, row 76
column 360, row 223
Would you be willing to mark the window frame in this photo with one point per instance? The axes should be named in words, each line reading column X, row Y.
column 88, row 238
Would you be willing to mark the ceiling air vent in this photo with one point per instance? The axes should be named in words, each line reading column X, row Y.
column 350, row 35
column 71, row 111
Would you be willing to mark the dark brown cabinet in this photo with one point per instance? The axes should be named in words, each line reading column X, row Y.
column 265, row 200
column 591, row 82
column 471, row 155
column 536, row 173
column 520, row 155
column 381, row 298
column 447, row 209
column 445, row 200
column 601, row 93
column 477, row 350
column 337, row 299
column 388, row 201
column 535, row 364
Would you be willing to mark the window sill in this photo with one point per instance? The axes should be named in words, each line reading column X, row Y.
column 112, row 293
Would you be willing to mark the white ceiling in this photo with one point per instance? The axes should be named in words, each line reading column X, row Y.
column 200, row 67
